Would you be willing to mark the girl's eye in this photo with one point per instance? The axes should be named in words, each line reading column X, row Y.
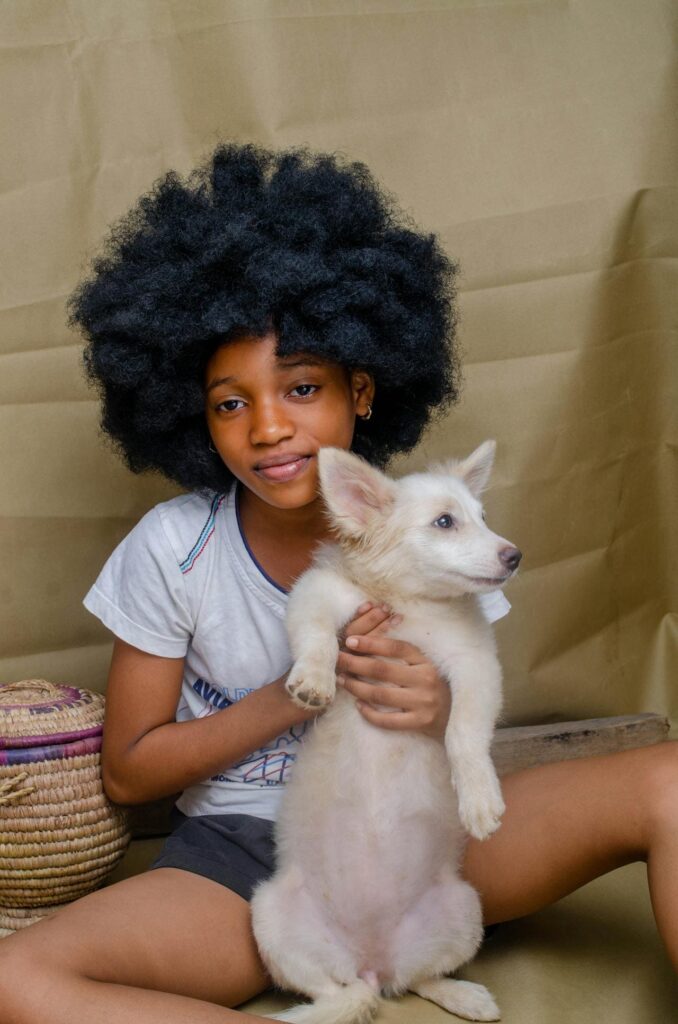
column 305, row 389
column 229, row 405
column 445, row 522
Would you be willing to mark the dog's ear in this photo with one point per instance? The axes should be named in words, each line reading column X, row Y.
column 355, row 493
column 475, row 469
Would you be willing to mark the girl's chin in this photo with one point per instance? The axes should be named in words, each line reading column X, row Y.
column 297, row 492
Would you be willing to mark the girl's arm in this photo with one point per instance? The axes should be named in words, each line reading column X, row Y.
column 146, row 754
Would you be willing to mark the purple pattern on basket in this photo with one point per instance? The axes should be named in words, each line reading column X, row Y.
column 71, row 696
column 29, row 755
column 7, row 742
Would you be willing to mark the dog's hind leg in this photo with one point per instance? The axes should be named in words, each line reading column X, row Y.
column 303, row 954
column 465, row 998
column 294, row 942
column 442, row 931
column 436, row 937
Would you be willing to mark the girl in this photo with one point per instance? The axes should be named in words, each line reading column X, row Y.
column 240, row 320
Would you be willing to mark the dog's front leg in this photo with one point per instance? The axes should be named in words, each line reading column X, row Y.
column 476, row 703
column 319, row 605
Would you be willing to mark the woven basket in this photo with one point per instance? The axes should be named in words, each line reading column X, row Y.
column 60, row 836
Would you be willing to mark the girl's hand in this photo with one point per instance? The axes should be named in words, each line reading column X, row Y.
column 420, row 695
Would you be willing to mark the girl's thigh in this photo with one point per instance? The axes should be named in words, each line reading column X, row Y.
column 567, row 823
column 167, row 929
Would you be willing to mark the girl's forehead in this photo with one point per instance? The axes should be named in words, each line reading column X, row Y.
column 251, row 355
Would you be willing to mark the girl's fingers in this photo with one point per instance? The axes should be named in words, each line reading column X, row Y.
column 384, row 626
column 385, row 647
column 372, row 693
column 409, row 712
column 398, row 672
column 375, row 616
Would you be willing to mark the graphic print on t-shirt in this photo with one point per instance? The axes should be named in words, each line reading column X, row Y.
column 216, row 699
column 267, row 766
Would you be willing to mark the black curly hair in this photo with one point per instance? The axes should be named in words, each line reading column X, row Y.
column 302, row 242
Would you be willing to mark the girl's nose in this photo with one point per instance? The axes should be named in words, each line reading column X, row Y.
column 269, row 424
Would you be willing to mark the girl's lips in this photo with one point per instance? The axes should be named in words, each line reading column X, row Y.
column 287, row 471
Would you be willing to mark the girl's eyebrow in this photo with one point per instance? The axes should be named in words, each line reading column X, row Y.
column 283, row 363
column 216, row 383
column 300, row 361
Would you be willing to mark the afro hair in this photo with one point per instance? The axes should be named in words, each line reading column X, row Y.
column 305, row 243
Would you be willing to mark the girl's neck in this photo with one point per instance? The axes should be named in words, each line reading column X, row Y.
column 282, row 540
column 285, row 524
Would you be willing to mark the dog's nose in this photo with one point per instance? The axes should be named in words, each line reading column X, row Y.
column 510, row 557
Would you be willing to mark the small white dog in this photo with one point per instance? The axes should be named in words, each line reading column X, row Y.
column 367, row 898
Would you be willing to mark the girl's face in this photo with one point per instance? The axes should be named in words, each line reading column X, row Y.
column 269, row 415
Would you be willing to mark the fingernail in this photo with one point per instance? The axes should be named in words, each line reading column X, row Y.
column 352, row 641
column 396, row 619
column 365, row 607
column 341, row 680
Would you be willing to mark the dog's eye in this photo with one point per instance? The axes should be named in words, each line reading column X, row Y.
column 484, row 516
column 445, row 522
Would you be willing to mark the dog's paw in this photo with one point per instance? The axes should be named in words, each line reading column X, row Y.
column 310, row 685
column 476, row 1003
column 481, row 822
column 481, row 807
column 464, row 998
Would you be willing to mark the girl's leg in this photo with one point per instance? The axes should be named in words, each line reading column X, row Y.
column 567, row 823
column 162, row 947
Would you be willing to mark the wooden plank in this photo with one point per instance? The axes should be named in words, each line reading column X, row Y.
column 513, row 748
column 523, row 746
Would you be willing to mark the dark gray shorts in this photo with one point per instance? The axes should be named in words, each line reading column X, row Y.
column 236, row 850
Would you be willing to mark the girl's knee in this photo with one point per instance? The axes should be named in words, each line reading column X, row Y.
column 660, row 791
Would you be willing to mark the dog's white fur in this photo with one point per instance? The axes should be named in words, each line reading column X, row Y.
column 367, row 897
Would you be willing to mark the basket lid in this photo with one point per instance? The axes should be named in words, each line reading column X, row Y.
column 37, row 713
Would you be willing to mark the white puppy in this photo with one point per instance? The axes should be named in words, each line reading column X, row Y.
column 367, row 896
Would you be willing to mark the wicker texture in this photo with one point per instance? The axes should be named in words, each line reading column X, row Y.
column 60, row 836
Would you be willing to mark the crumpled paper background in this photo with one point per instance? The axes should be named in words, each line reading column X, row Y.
column 538, row 139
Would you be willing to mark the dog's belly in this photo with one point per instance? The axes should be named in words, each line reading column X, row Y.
column 369, row 822
column 387, row 872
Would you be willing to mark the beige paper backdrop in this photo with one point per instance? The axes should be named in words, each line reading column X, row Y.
column 538, row 138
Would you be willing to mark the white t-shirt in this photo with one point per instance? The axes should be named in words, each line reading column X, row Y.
column 184, row 583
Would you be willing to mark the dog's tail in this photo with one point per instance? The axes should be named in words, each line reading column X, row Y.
column 356, row 1003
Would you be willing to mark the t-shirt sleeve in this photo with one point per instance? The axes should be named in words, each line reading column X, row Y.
column 494, row 605
column 140, row 593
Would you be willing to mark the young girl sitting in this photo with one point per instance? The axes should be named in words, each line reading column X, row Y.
column 269, row 305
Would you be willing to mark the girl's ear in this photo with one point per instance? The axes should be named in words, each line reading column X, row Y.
column 362, row 386
column 356, row 494
column 475, row 469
